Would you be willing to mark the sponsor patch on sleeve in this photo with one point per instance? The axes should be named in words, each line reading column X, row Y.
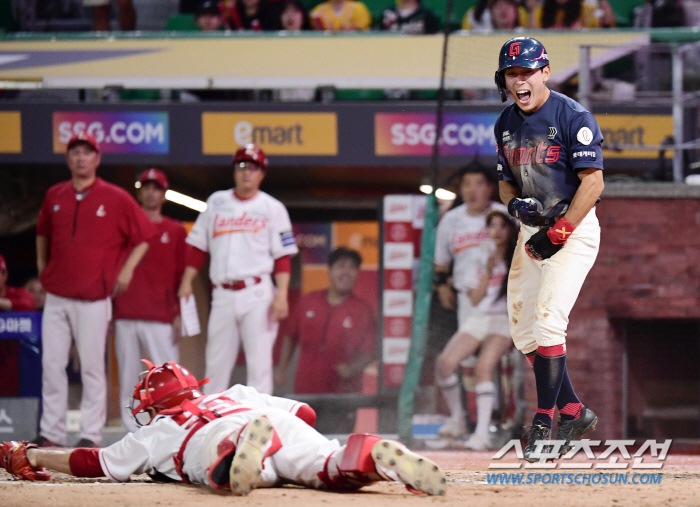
column 585, row 136
column 287, row 238
column 584, row 155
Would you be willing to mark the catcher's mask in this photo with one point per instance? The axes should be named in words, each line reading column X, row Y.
column 162, row 387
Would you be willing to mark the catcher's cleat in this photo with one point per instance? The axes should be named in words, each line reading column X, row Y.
column 538, row 431
column 573, row 429
column 419, row 474
column 13, row 458
column 247, row 463
column 454, row 427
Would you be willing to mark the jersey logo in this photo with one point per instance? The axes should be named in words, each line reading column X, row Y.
column 287, row 238
column 165, row 238
column 506, row 136
column 101, row 211
column 552, row 133
column 542, row 154
column 514, row 49
column 585, row 136
column 244, row 223
column 347, row 323
column 499, row 168
column 56, row 207
column 310, row 314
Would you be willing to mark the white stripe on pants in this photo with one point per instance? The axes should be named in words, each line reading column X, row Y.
column 241, row 317
column 84, row 322
column 541, row 294
column 133, row 338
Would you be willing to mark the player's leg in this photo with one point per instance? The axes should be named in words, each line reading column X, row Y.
column 490, row 355
column 223, row 341
column 128, row 351
column 90, row 320
column 159, row 342
column 56, row 342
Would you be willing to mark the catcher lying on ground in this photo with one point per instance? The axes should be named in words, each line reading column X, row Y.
column 238, row 439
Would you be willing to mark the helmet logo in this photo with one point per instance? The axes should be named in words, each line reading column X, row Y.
column 514, row 49
column 543, row 56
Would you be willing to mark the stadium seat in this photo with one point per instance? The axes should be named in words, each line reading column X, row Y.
column 181, row 22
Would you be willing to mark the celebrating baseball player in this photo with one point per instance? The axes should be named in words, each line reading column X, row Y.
column 249, row 237
column 90, row 237
column 238, row 439
column 460, row 234
column 550, row 168
column 146, row 316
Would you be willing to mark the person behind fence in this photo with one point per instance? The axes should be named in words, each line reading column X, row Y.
column 341, row 15
column 334, row 330
column 13, row 299
column 208, row 16
column 409, row 17
column 489, row 15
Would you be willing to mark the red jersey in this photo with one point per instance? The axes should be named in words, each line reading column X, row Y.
column 90, row 235
column 21, row 299
column 327, row 336
column 152, row 293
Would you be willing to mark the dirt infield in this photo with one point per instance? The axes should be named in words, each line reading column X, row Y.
column 467, row 479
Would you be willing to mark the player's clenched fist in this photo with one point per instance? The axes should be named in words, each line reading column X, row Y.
column 524, row 210
column 548, row 241
column 280, row 306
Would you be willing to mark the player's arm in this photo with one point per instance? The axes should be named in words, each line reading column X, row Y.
column 127, row 271
column 441, row 281
column 280, row 305
column 479, row 292
column 286, row 353
column 42, row 252
column 508, row 190
column 586, row 196
column 58, row 460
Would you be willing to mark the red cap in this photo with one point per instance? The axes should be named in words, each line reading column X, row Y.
column 156, row 175
column 3, row 264
column 252, row 153
column 83, row 137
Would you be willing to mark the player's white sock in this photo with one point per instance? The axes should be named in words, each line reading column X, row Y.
column 452, row 392
column 485, row 395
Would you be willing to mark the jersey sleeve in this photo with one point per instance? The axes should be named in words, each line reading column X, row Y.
column 443, row 250
column 251, row 396
column 43, row 225
column 199, row 236
column 502, row 168
column 125, row 457
column 282, row 237
column 586, row 151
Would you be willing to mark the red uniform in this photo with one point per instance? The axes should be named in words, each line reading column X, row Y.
column 21, row 299
column 152, row 293
column 89, row 238
column 327, row 336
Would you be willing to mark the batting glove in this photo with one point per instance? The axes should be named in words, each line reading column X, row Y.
column 549, row 240
column 524, row 210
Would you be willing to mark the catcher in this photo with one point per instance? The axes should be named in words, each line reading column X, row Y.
column 238, row 439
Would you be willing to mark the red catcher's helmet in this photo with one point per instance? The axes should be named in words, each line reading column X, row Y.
column 162, row 387
column 252, row 153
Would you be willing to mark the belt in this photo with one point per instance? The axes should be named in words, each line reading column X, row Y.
column 546, row 221
column 240, row 284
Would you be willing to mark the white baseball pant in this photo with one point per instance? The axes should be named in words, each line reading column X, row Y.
column 133, row 338
column 84, row 322
column 541, row 294
column 241, row 317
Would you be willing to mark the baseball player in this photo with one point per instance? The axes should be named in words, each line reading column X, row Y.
column 249, row 237
column 238, row 439
column 90, row 237
column 15, row 299
column 550, row 168
column 460, row 234
column 146, row 315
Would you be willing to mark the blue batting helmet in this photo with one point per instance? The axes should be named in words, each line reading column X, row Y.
column 519, row 52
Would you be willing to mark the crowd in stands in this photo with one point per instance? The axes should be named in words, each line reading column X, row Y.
column 406, row 16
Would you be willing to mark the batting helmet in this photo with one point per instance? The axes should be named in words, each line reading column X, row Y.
column 162, row 387
column 519, row 52
column 252, row 153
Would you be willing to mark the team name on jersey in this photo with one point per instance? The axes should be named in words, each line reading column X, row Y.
column 468, row 240
column 244, row 223
column 541, row 154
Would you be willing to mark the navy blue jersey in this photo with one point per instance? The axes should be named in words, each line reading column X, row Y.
column 543, row 153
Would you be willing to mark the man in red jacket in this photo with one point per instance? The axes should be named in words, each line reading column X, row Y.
column 146, row 315
column 90, row 237
column 13, row 299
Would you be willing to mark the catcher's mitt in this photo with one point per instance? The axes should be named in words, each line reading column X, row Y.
column 13, row 458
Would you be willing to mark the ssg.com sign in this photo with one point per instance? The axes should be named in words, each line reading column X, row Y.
column 399, row 134
column 116, row 132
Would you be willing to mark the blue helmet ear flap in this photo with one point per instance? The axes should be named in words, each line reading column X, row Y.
column 501, row 85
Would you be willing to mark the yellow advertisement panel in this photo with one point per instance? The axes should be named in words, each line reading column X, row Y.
column 360, row 236
column 275, row 133
column 11, row 128
column 640, row 130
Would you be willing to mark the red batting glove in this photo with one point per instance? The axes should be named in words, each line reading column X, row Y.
column 560, row 231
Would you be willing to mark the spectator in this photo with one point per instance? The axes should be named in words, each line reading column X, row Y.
column 208, row 17
column 337, row 15
column 528, row 14
column 246, row 15
column 13, row 299
column 335, row 331
column 568, row 14
column 101, row 10
column 146, row 315
column 490, row 15
column 90, row 237
column 410, row 17
column 37, row 291
column 293, row 16
column 659, row 14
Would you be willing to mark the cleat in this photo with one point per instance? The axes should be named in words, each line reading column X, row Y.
column 538, row 431
column 453, row 428
column 419, row 474
column 246, row 466
column 476, row 442
column 572, row 430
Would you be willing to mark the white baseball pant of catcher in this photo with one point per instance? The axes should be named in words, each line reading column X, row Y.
column 541, row 294
column 131, row 339
column 84, row 322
